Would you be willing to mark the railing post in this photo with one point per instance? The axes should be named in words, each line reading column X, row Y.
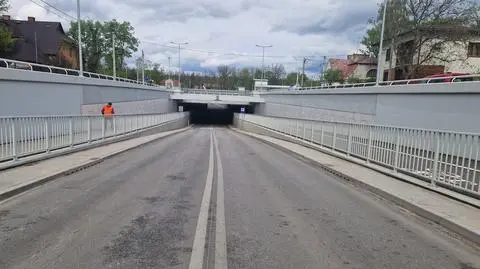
column 103, row 127
column 47, row 136
column 114, row 125
column 89, row 130
column 70, row 131
column 296, row 128
column 124, row 124
column 334, row 135
column 436, row 156
column 304, row 130
column 369, row 144
column 14, row 140
column 321, row 134
column 312, row 134
column 349, row 141
column 397, row 151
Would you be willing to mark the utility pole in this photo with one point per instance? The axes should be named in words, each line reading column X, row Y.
column 179, row 66
column 305, row 59
column 263, row 57
column 80, row 53
column 380, row 51
column 114, row 60
column 143, row 67
column 169, row 72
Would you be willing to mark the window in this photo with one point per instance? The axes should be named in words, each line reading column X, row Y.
column 473, row 49
column 388, row 56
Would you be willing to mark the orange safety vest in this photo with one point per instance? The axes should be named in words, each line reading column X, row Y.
column 107, row 111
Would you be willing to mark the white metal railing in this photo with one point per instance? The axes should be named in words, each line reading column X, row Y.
column 439, row 157
column 217, row 92
column 25, row 136
column 447, row 79
column 34, row 67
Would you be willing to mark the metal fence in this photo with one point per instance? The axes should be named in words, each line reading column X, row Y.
column 13, row 64
column 432, row 80
column 444, row 158
column 25, row 136
column 217, row 92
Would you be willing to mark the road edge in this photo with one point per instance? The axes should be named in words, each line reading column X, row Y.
column 464, row 232
column 21, row 189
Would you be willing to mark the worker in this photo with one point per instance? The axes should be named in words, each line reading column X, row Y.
column 108, row 113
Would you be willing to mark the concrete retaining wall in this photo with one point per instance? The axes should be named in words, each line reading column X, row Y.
column 451, row 107
column 35, row 93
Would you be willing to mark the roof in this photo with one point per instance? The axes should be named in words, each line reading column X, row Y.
column 48, row 36
column 342, row 65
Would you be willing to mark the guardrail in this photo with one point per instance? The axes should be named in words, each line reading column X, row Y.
column 446, row 159
column 444, row 80
column 217, row 92
column 25, row 136
column 34, row 67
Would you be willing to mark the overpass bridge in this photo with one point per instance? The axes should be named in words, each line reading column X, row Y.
column 310, row 178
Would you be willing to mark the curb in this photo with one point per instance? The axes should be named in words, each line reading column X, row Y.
column 41, row 181
column 464, row 232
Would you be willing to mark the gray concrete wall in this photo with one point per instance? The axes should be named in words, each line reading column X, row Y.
column 35, row 93
column 153, row 106
column 453, row 107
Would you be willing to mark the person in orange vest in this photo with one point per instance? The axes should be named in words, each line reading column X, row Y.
column 108, row 112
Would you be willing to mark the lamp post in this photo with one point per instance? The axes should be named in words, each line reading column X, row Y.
column 80, row 53
column 380, row 51
column 179, row 67
column 263, row 57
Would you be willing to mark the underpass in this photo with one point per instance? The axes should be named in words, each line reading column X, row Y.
column 210, row 197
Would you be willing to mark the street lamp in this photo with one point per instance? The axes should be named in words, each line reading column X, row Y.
column 179, row 68
column 379, row 57
column 80, row 56
column 263, row 57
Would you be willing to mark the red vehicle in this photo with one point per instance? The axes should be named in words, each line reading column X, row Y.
column 448, row 77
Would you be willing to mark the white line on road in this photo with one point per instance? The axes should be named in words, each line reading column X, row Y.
column 220, row 233
column 196, row 259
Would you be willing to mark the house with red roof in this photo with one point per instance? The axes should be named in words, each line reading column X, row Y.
column 355, row 66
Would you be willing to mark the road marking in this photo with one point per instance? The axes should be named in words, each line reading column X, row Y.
column 220, row 233
column 198, row 249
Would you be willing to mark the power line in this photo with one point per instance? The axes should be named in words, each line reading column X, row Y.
column 57, row 11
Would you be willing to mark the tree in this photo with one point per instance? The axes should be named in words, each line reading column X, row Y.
column 245, row 78
column 275, row 74
column 437, row 27
column 333, row 76
column 6, row 40
column 93, row 43
column 125, row 41
column 224, row 71
column 4, row 5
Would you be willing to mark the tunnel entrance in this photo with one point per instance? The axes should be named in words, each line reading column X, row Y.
column 213, row 114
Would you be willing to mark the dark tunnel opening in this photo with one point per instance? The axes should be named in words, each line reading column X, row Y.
column 213, row 114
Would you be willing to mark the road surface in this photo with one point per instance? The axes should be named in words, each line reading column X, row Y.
column 212, row 198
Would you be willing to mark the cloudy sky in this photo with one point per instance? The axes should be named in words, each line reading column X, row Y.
column 226, row 31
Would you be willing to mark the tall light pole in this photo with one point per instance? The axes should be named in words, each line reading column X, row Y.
column 179, row 67
column 169, row 70
column 114, row 61
column 143, row 67
column 263, row 57
column 80, row 53
column 380, row 51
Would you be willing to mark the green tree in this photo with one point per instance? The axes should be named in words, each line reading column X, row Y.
column 245, row 79
column 125, row 42
column 6, row 40
column 334, row 76
column 4, row 5
column 275, row 74
column 93, row 43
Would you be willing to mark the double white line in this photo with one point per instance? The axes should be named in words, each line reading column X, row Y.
column 198, row 250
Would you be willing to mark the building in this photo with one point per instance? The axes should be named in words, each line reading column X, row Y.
column 358, row 66
column 40, row 42
column 431, row 50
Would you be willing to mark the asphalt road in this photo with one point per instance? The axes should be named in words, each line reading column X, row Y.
column 212, row 198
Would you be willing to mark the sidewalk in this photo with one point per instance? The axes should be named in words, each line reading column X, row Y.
column 452, row 214
column 19, row 179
